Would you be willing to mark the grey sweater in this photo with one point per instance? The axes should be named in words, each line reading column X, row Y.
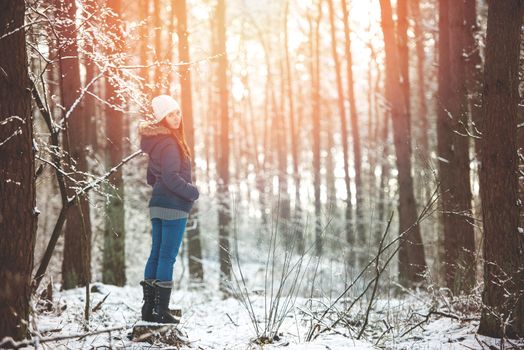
column 167, row 213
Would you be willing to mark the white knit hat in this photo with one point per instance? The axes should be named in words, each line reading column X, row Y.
column 163, row 105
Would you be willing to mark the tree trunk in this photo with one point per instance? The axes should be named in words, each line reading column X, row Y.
column 343, row 123
column 17, row 181
column 463, row 228
column 90, row 123
column 412, row 261
column 444, row 141
column 473, row 70
column 76, row 265
column 300, row 119
column 422, row 109
column 453, row 151
column 315, row 119
column 114, row 258
column 503, row 297
column 520, row 135
column 378, row 150
column 282, row 147
column 295, row 155
column 361, row 227
column 224, row 215
column 384, row 187
column 194, row 255
column 403, row 54
column 371, row 141
column 328, row 123
column 211, row 113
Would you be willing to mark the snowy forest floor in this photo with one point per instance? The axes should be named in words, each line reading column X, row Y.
column 428, row 319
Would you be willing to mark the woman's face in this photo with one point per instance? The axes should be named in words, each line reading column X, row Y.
column 173, row 119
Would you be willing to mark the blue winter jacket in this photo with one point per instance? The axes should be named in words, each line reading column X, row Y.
column 168, row 171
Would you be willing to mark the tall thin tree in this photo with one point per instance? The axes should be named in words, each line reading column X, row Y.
column 453, row 147
column 114, row 266
column 76, row 265
column 224, row 215
column 90, row 125
column 473, row 70
column 282, row 142
column 314, row 66
column 355, row 130
column 422, row 108
column 403, row 53
column 343, row 123
column 295, row 150
column 412, row 261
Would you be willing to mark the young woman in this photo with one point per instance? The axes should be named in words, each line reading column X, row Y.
column 169, row 172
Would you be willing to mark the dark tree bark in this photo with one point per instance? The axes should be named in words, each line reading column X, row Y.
column 114, row 257
column 443, row 122
column 473, row 70
column 196, row 270
column 464, row 237
column 224, row 215
column 503, row 296
column 76, row 265
column 412, row 261
column 355, row 130
column 453, row 151
column 520, row 134
column 17, row 181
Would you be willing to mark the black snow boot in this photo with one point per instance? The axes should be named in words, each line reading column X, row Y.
column 162, row 295
column 149, row 300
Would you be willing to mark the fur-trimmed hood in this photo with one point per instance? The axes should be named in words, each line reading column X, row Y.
column 150, row 128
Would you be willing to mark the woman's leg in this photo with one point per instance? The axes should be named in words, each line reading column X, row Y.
column 152, row 262
column 172, row 234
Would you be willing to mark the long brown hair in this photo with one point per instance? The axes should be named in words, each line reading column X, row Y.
column 179, row 136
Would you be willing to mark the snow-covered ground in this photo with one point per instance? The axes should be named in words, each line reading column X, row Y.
column 210, row 321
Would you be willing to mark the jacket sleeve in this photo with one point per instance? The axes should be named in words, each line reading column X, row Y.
column 151, row 179
column 170, row 162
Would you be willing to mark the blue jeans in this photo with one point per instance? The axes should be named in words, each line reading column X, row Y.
column 167, row 238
